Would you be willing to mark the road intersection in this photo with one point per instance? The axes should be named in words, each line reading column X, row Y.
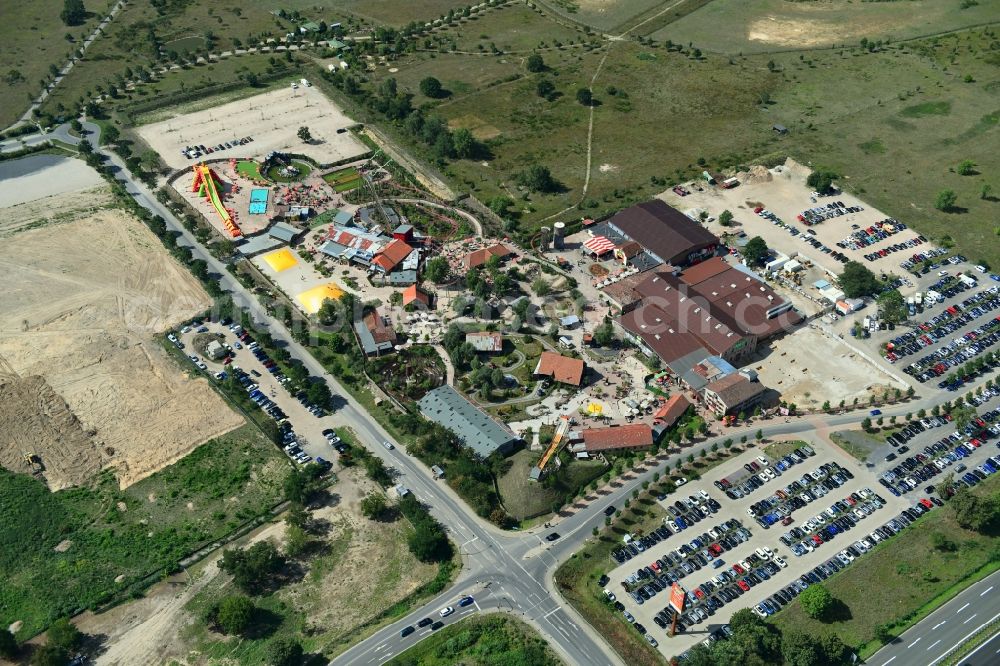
column 503, row 571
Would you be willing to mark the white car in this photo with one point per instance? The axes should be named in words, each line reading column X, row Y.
column 446, row 611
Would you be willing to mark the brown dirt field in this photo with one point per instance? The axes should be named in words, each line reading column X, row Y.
column 86, row 293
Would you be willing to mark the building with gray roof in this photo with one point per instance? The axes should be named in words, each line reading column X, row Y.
column 477, row 430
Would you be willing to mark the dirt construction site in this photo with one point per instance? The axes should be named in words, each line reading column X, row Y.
column 271, row 119
column 84, row 383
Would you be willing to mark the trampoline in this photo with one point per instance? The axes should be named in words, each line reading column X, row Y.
column 312, row 300
column 258, row 200
column 281, row 260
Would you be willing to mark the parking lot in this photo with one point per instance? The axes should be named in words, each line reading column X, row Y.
column 955, row 323
column 827, row 497
column 303, row 428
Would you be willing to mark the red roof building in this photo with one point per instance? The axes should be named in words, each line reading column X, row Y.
column 632, row 436
column 672, row 410
column 561, row 368
column 480, row 257
column 414, row 294
column 392, row 255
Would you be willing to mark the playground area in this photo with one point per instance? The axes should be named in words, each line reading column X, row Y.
column 272, row 118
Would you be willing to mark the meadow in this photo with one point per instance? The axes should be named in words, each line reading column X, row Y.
column 84, row 547
column 740, row 27
column 32, row 40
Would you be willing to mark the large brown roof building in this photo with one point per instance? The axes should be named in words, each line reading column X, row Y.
column 667, row 234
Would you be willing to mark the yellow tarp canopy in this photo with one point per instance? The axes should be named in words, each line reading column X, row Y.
column 312, row 300
column 281, row 260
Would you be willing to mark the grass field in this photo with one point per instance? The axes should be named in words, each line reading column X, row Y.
column 31, row 40
column 513, row 29
column 343, row 180
column 109, row 539
column 894, row 583
column 480, row 640
column 526, row 499
column 736, row 26
column 606, row 15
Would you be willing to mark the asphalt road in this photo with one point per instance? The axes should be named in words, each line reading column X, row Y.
column 928, row 641
column 503, row 571
column 987, row 654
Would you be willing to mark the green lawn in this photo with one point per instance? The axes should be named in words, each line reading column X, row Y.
column 129, row 533
column 480, row 640
column 248, row 169
column 343, row 180
column 895, row 583
column 526, row 499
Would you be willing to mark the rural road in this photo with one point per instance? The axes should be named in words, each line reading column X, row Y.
column 510, row 571
column 928, row 641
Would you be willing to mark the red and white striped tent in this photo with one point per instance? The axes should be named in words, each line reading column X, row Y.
column 599, row 245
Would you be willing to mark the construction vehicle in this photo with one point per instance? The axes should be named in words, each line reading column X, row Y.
column 34, row 463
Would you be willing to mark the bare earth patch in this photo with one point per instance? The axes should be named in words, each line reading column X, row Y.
column 83, row 302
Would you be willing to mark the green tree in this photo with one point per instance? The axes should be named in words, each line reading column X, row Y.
column 304, row 134
column 296, row 541
column 253, row 567
column 537, row 178
column 50, row 655
column 374, row 505
column 431, row 87
column 8, row 644
column 73, row 13
column 436, row 270
column 545, row 89
column 975, row 512
column 464, row 143
column 283, row 651
column 966, row 168
column 945, row 200
column 816, row 601
column 755, row 251
column 891, row 306
column 64, row 633
column 725, row 218
column 857, row 280
column 234, row 614
column 584, row 96
column 604, row 334
column 534, row 63
column 821, row 181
